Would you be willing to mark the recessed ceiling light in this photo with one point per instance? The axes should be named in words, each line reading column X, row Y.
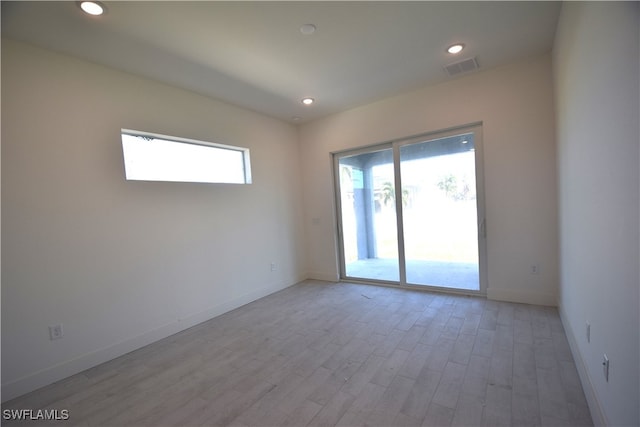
column 308, row 29
column 308, row 101
column 456, row 48
column 94, row 8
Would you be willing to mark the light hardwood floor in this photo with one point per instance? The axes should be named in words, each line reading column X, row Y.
column 324, row 354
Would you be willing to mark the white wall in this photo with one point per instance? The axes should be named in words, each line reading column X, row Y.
column 120, row 263
column 515, row 104
column 596, row 73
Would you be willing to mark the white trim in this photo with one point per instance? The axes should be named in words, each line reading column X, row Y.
column 324, row 276
column 524, row 297
column 81, row 363
column 597, row 415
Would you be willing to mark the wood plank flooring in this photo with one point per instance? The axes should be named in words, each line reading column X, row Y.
column 325, row 354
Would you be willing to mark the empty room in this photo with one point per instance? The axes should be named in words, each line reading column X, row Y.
column 320, row 213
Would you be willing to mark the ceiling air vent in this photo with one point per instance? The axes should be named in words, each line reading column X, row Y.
column 463, row 66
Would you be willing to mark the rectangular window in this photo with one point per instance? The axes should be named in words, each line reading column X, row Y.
column 152, row 157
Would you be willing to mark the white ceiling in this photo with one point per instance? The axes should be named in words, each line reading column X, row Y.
column 252, row 54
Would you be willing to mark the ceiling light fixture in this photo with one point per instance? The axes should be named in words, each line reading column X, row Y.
column 94, row 8
column 308, row 101
column 456, row 48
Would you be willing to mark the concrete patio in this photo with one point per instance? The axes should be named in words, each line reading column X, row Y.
column 444, row 274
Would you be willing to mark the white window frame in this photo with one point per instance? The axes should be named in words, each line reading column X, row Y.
column 136, row 176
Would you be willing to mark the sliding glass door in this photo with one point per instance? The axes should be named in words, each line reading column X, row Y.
column 441, row 220
column 411, row 211
column 369, row 221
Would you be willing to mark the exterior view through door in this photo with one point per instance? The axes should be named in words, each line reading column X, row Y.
column 411, row 211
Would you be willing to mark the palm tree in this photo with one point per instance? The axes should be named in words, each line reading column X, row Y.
column 389, row 194
column 448, row 184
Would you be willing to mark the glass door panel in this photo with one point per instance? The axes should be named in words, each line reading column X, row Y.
column 440, row 212
column 368, row 215
column 410, row 211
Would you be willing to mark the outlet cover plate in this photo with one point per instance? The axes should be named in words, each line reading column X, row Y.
column 56, row 332
column 588, row 332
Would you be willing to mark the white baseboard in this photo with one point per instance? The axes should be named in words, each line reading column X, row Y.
column 523, row 297
column 67, row 368
column 597, row 415
column 324, row 276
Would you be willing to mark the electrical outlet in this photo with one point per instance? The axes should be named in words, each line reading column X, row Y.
column 56, row 332
column 605, row 367
column 535, row 269
column 274, row 267
column 588, row 332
